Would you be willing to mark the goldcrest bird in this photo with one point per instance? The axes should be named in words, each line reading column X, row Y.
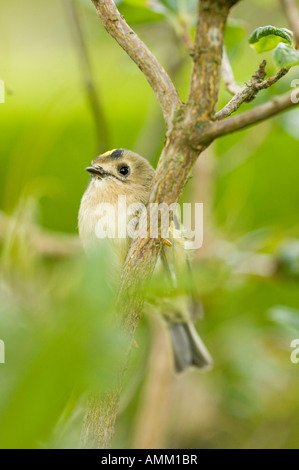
column 123, row 173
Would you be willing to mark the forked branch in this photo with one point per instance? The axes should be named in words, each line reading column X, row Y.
column 249, row 91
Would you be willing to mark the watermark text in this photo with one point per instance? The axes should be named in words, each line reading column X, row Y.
column 155, row 221
column 295, row 352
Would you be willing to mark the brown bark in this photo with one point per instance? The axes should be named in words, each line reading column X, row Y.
column 207, row 58
column 246, row 119
column 249, row 91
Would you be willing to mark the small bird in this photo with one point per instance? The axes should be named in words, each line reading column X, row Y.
column 123, row 173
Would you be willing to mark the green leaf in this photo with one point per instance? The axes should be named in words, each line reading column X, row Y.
column 267, row 38
column 285, row 56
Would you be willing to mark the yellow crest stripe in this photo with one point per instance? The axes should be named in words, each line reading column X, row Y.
column 106, row 154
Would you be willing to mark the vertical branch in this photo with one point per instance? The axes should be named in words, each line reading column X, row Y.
column 101, row 127
column 207, row 58
column 99, row 420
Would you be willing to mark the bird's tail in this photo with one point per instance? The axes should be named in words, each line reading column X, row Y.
column 188, row 348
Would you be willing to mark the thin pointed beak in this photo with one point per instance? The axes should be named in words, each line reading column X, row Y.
column 95, row 171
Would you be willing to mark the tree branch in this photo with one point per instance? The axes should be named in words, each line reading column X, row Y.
column 228, row 75
column 207, row 58
column 292, row 13
column 155, row 74
column 249, row 91
column 186, row 36
column 249, row 118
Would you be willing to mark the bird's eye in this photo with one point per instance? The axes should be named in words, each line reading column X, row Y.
column 124, row 170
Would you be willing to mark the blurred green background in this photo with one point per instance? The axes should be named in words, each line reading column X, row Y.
column 56, row 306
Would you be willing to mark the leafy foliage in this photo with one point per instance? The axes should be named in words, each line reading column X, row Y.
column 266, row 38
column 285, row 56
column 60, row 341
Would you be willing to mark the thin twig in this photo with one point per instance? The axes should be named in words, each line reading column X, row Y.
column 292, row 12
column 155, row 74
column 101, row 126
column 246, row 119
column 186, row 37
column 249, row 91
column 228, row 75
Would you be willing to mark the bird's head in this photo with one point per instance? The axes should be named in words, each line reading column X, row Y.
column 124, row 170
